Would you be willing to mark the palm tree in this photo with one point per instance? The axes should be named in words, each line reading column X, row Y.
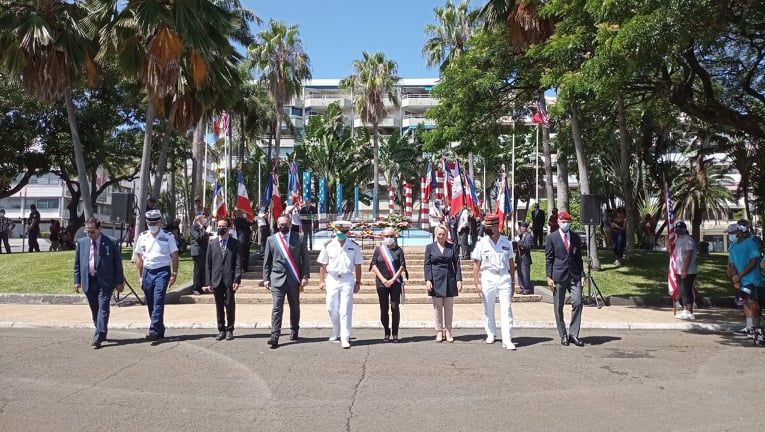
column 448, row 39
column 279, row 54
column 46, row 48
column 522, row 18
column 167, row 47
column 374, row 79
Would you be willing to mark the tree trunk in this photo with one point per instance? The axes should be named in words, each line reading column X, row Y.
column 584, row 178
column 471, row 168
column 162, row 163
column 376, row 169
column 548, row 166
column 198, row 154
column 278, row 131
column 79, row 156
column 698, row 214
column 562, row 164
column 143, row 183
column 270, row 141
column 627, row 190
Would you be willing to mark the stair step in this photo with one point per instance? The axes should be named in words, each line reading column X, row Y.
column 359, row 298
column 365, row 289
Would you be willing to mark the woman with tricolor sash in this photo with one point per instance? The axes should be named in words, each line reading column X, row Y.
column 389, row 265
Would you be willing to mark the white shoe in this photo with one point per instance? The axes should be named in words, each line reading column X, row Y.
column 617, row 263
column 691, row 316
column 334, row 339
column 489, row 339
column 345, row 344
column 683, row 315
column 509, row 345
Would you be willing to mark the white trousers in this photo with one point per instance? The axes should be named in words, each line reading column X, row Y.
column 492, row 287
column 340, row 306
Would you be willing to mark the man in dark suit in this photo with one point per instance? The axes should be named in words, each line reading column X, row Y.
column 224, row 274
column 308, row 221
column 244, row 236
column 565, row 272
column 199, row 238
column 524, row 244
column 285, row 271
column 537, row 224
column 98, row 271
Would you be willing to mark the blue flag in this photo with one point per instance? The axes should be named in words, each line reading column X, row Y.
column 339, row 198
column 323, row 204
column 307, row 185
column 356, row 192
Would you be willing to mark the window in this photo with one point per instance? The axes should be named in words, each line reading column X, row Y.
column 10, row 203
column 45, row 179
column 46, row 203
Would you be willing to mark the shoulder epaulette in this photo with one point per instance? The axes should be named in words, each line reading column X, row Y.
column 327, row 242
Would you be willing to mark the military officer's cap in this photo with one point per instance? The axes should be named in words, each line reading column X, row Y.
column 153, row 216
column 343, row 226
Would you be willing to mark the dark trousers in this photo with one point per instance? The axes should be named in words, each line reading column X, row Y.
column 685, row 286
column 199, row 272
column 154, row 284
column 524, row 275
column 308, row 235
column 98, row 300
column 390, row 297
column 575, row 288
column 225, row 307
column 4, row 239
column 245, row 255
column 293, row 299
column 265, row 232
column 33, row 245
column 619, row 242
column 538, row 240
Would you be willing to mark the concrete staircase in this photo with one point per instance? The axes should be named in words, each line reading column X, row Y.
column 252, row 291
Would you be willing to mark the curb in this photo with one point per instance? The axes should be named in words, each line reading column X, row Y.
column 684, row 326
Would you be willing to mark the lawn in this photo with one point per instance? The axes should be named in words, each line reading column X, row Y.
column 646, row 275
column 51, row 272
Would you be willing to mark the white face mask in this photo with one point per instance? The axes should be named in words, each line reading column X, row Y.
column 389, row 241
column 154, row 229
column 564, row 226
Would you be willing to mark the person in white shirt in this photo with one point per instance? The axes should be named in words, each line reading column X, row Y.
column 493, row 272
column 340, row 277
column 685, row 268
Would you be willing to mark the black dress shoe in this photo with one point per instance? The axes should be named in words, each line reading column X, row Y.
column 273, row 341
column 230, row 335
column 151, row 337
column 574, row 340
column 294, row 336
column 96, row 344
column 221, row 336
column 564, row 341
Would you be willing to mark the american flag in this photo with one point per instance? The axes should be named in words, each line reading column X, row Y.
column 672, row 274
column 541, row 115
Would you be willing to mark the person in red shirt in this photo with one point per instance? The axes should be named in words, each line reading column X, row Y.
column 553, row 222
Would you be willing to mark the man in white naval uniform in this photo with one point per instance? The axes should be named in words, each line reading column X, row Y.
column 493, row 269
column 340, row 276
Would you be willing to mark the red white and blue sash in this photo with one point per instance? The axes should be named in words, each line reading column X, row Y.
column 281, row 243
column 387, row 256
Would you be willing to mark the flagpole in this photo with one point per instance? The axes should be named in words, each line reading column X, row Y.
column 536, row 172
column 512, row 188
column 260, row 194
column 226, row 142
column 483, row 184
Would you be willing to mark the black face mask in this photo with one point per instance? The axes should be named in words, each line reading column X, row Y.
column 488, row 231
column 284, row 229
column 222, row 231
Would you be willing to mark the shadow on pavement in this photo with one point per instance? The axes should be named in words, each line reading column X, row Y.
column 599, row 340
column 529, row 341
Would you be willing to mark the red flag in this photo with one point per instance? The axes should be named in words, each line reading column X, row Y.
column 276, row 201
column 219, row 202
column 457, row 199
column 672, row 273
column 242, row 199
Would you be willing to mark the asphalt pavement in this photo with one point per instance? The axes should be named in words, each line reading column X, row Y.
column 634, row 380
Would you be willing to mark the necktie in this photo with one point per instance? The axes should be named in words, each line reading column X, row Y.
column 565, row 241
column 92, row 258
column 223, row 247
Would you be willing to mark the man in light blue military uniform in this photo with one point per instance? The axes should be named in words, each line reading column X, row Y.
column 156, row 252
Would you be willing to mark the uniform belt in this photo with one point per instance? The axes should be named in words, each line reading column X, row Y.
column 497, row 272
column 338, row 275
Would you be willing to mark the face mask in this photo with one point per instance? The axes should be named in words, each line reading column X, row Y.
column 154, row 229
column 488, row 231
column 222, row 231
column 565, row 227
column 389, row 241
column 284, row 229
column 732, row 238
column 340, row 236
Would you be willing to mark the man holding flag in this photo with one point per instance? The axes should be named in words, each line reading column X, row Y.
column 243, row 221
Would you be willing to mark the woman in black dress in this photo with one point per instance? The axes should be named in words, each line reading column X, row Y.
column 443, row 278
column 389, row 266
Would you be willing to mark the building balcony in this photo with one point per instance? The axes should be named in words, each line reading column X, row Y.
column 296, row 121
column 320, row 102
column 388, row 122
column 418, row 101
column 412, row 120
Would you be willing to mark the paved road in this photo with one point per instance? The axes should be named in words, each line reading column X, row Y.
column 51, row 380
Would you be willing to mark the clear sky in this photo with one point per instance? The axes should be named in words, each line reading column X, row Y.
column 335, row 32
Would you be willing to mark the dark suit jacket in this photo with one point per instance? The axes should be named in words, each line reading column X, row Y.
column 525, row 244
column 223, row 270
column 443, row 269
column 275, row 268
column 199, row 238
column 538, row 218
column 108, row 263
column 561, row 265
